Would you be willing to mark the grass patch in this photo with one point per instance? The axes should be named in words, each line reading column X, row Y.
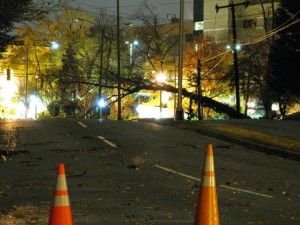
column 259, row 137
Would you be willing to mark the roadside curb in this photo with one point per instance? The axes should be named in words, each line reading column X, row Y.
column 259, row 147
column 269, row 150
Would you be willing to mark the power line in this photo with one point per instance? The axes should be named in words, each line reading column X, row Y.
column 232, row 6
column 272, row 33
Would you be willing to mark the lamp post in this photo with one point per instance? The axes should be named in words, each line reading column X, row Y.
column 26, row 82
column 54, row 46
column 160, row 78
column 131, row 45
column 119, row 62
column 36, row 95
column 179, row 109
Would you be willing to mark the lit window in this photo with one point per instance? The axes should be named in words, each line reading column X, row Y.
column 199, row 25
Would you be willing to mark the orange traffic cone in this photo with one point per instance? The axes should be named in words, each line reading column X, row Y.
column 207, row 210
column 61, row 210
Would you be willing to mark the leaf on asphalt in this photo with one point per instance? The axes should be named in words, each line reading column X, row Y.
column 136, row 162
column 169, row 215
column 131, row 166
column 21, row 215
column 137, row 200
column 70, row 174
column 190, row 183
column 3, row 157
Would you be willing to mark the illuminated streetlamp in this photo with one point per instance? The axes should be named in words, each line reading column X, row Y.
column 102, row 105
column 238, row 47
column 54, row 45
column 160, row 78
column 131, row 44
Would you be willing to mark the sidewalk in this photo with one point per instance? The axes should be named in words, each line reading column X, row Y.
column 278, row 137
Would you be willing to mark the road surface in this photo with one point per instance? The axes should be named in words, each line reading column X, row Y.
column 122, row 172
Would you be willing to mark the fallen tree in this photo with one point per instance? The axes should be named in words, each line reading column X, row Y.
column 136, row 85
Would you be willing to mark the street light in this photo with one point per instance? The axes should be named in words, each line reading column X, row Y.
column 238, row 47
column 131, row 45
column 160, row 78
column 54, row 45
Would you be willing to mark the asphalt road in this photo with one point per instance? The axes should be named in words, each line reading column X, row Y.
column 139, row 174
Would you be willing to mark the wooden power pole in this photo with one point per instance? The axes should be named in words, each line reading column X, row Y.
column 235, row 56
column 119, row 61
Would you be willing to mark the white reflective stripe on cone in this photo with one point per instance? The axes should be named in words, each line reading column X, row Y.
column 61, row 200
column 61, row 183
column 208, row 181
column 209, row 164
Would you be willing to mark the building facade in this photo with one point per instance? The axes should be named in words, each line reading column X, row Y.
column 251, row 21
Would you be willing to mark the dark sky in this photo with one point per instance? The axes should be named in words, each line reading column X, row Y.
column 128, row 8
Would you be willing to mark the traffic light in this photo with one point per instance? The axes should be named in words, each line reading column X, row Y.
column 8, row 74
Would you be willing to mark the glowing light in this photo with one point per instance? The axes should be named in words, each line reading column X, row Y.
column 8, row 100
column 275, row 106
column 101, row 103
column 148, row 111
column 238, row 47
column 161, row 77
column 54, row 45
column 8, row 91
column 251, row 104
column 165, row 97
column 20, row 110
column 34, row 99
column 135, row 42
column 36, row 106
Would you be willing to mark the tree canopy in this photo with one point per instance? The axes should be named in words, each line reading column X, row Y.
column 16, row 11
column 285, row 55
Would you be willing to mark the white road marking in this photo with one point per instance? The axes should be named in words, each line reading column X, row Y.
column 110, row 143
column 82, row 124
column 178, row 173
column 246, row 191
column 223, row 186
column 107, row 141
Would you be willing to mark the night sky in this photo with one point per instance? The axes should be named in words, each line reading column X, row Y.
column 128, row 8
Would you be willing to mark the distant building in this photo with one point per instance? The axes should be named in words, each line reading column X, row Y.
column 249, row 20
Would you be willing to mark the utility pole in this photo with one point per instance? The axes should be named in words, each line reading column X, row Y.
column 100, row 69
column 36, row 95
column 26, row 82
column 199, row 92
column 119, row 61
column 179, row 109
column 235, row 56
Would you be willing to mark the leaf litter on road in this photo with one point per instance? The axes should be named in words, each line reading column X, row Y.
column 24, row 215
